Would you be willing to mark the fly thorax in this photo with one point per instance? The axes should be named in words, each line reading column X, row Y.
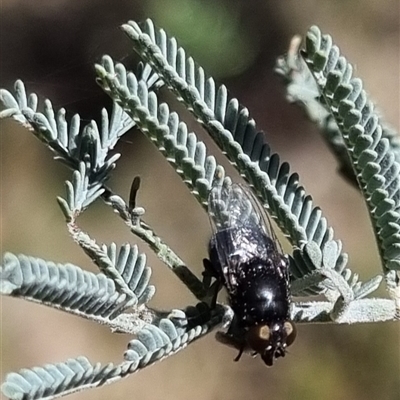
column 261, row 296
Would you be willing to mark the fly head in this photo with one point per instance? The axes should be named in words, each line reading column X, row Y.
column 271, row 341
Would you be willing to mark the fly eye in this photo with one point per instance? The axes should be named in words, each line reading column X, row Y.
column 264, row 332
column 258, row 337
column 291, row 332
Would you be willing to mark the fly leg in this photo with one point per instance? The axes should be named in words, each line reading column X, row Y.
column 237, row 358
column 212, row 288
column 232, row 341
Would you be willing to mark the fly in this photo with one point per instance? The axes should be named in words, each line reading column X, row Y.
column 246, row 258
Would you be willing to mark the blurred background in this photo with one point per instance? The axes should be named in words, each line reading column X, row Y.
column 52, row 45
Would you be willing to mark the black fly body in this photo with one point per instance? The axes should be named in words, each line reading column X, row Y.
column 247, row 259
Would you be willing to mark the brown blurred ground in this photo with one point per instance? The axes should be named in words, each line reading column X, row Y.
column 52, row 45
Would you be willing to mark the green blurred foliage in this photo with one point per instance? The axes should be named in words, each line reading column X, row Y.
column 213, row 30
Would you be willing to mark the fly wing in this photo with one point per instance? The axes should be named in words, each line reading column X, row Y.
column 230, row 207
column 240, row 232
